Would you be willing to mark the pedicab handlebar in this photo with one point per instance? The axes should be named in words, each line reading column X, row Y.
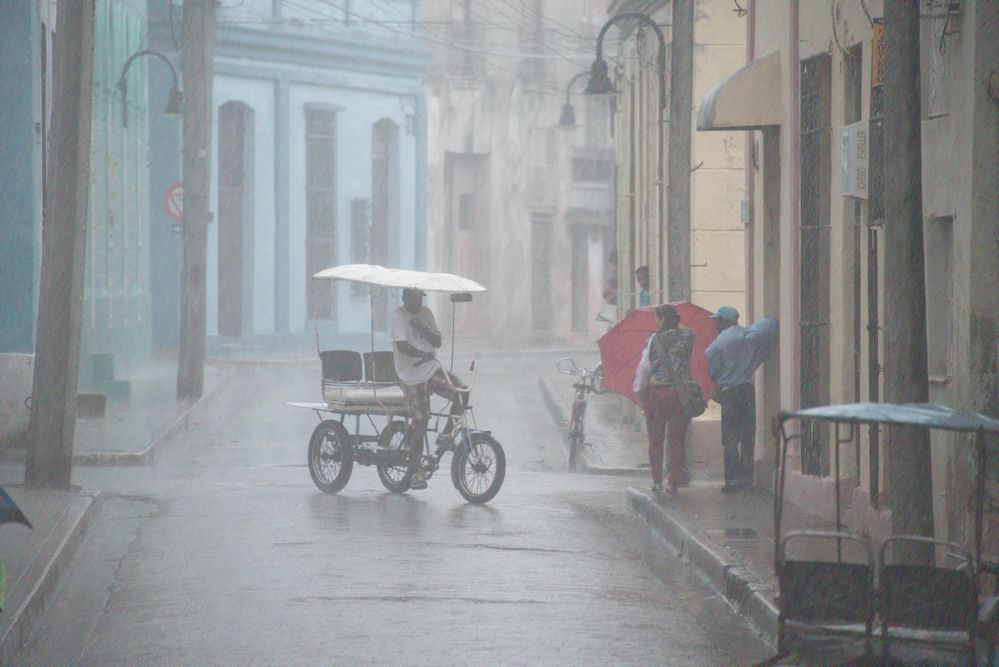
column 447, row 376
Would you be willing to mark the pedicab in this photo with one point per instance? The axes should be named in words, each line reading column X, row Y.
column 880, row 605
column 363, row 417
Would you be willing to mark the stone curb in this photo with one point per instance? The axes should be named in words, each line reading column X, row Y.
column 735, row 582
column 560, row 414
column 145, row 457
column 33, row 606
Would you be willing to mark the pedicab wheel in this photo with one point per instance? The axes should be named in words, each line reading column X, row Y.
column 331, row 456
column 394, row 478
column 478, row 470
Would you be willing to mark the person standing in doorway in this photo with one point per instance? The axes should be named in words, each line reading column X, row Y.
column 665, row 364
column 733, row 357
column 644, row 296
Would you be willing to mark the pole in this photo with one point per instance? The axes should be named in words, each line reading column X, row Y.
column 64, row 220
column 198, row 39
column 681, row 91
column 906, row 379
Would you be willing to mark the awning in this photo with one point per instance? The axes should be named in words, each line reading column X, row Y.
column 749, row 99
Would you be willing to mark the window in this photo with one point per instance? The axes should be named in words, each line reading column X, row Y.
column 939, row 253
column 320, row 204
column 360, row 238
column 541, row 273
column 466, row 211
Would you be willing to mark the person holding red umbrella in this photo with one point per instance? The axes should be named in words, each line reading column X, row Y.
column 660, row 382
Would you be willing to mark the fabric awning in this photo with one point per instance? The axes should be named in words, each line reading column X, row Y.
column 749, row 99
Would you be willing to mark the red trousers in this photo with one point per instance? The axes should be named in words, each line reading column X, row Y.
column 662, row 409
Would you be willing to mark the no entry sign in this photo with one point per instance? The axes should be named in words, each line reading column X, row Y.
column 173, row 201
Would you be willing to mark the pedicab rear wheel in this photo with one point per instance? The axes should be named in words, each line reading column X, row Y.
column 478, row 469
column 331, row 456
column 395, row 478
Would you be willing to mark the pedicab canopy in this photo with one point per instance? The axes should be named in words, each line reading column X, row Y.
column 926, row 415
column 372, row 274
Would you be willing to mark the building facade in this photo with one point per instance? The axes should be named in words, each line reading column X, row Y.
column 513, row 202
column 116, row 328
column 812, row 102
column 317, row 160
column 717, row 176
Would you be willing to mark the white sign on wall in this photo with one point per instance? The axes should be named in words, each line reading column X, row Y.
column 854, row 159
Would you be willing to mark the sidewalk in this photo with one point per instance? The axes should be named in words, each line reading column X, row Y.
column 129, row 434
column 726, row 538
column 616, row 446
column 131, row 431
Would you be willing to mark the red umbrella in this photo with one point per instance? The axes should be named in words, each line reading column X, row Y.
column 621, row 347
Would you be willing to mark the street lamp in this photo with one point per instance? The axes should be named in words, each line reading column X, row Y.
column 175, row 103
column 567, row 121
column 600, row 84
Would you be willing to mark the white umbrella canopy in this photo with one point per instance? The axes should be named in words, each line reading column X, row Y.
column 372, row 274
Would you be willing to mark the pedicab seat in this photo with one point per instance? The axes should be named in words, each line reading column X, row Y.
column 359, row 395
column 926, row 603
column 830, row 598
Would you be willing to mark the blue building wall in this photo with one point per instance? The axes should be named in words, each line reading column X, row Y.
column 19, row 184
column 274, row 66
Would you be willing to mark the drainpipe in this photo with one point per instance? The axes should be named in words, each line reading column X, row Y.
column 794, row 213
column 750, row 229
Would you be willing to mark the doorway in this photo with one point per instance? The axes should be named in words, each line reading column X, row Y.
column 466, row 239
column 235, row 220
column 384, row 207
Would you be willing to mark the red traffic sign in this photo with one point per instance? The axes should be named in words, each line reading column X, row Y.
column 173, row 201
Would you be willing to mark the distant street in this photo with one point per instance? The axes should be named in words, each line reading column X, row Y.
column 224, row 552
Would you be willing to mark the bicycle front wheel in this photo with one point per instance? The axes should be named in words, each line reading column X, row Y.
column 478, row 469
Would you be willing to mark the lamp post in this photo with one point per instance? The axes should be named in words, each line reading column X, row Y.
column 567, row 121
column 174, row 105
column 600, row 84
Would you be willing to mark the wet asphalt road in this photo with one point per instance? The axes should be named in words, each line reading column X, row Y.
column 224, row 552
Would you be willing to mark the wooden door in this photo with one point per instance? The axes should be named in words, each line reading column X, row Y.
column 230, row 219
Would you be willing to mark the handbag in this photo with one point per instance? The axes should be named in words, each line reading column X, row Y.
column 691, row 397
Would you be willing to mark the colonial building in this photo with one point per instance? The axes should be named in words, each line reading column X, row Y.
column 514, row 202
column 717, row 177
column 116, row 328
column 812, row 102
column 317, row 159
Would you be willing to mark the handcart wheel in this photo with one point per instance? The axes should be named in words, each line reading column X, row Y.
column 394, row 437
column 331, row 456
column 478, row 469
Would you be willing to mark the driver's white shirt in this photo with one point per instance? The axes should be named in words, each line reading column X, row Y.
column 400, row 330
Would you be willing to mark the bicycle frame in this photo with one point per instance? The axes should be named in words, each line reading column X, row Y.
column 586, row 383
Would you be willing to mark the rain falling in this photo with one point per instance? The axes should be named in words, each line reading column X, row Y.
column 499, row 332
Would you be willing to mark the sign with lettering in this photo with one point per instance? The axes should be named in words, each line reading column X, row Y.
column 854, row 160
column 878, row 53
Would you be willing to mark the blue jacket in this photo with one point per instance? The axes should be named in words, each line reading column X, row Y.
column 738, row 351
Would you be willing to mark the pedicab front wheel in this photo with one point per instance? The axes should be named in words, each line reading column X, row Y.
column 331, row 456
column 478, row 469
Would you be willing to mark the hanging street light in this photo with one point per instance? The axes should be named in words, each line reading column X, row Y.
column 567, row 121
column 175, row 103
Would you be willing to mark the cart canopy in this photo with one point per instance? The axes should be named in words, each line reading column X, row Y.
column 372, row 274
column 926, row 415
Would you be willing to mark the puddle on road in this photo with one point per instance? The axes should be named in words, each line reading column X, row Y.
column 733, row 533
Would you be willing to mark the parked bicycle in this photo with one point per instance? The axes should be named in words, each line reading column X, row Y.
column 590, row 381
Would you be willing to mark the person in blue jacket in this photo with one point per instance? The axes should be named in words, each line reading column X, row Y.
column 733, row 357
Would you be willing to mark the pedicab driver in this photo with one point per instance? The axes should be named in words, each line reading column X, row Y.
column 415, row 339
